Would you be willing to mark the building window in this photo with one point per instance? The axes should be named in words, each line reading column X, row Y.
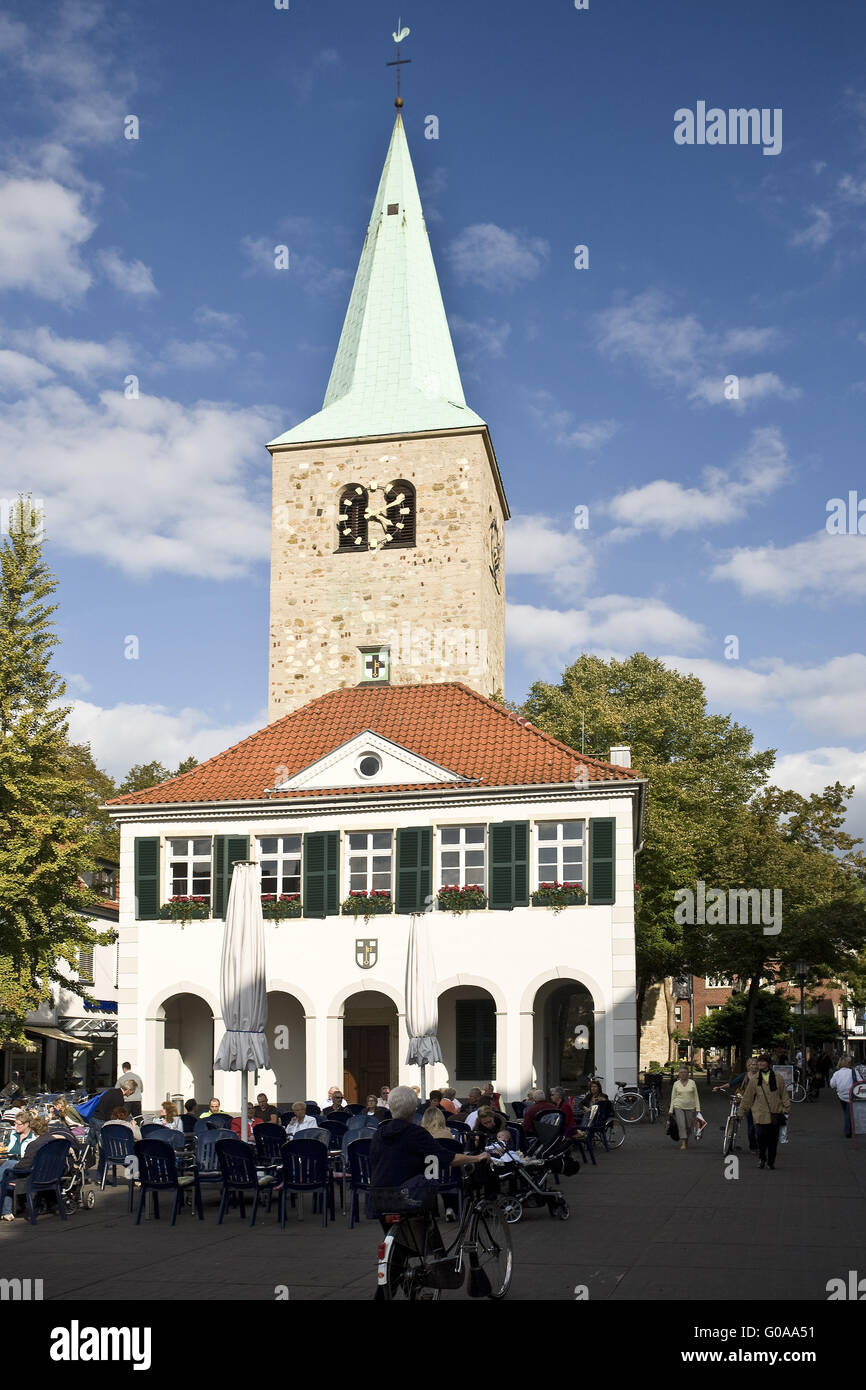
column 400, row 506
column 369, row 861
column 713, row 1008
column 189, row 868
column 718, row 982
column 280, row 858
column 85, row 965
column 475, row 1021
column 461, row 855
column 678, row 1013
column 352, row 518
column 560, row 851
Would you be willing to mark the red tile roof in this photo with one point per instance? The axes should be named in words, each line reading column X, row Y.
column 448, row 724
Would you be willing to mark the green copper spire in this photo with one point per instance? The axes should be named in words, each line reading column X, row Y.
column 395, row 371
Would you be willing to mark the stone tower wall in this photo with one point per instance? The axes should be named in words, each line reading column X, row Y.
column 435, row 604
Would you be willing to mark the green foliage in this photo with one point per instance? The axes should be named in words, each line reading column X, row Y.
column 144, row 775
column 726, row 1027
column 47, row 837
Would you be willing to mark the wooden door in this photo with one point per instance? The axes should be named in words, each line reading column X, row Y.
column 367, row 1065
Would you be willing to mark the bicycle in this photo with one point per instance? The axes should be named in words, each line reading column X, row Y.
column 414, row 1264
column 628, row 1103
column 798, row 1090
column 731, row 1126
column 650, row 1093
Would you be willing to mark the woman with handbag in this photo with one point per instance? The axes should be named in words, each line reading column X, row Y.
column 767, row 1098
column 685, row 1105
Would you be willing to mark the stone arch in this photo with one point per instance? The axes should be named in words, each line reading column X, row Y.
column 561, row 972
column 182, row 987
column 480, row 982
column 336, row 1007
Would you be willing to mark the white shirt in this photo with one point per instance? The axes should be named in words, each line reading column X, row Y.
column 471, row 1119
column 842, row 1080
column 295, row 1125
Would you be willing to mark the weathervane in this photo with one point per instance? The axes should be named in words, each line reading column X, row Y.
column 398, row 38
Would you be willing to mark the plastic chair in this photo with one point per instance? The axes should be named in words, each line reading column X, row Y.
column 49, row 1166
column 453, row 1185
column 358, row 1164
column 188, row 1122
column 305, row 1169
column 459, row 1131
column 312, row 1107
column 355, row 1109
column 518, row 1137
column 219, row 1121
column 175, row 1137
column 322, row 1136
column 336, row 1129
column 269, row 1140
column 116, row 1145
column 518, row 1106
column 238, row 1171
column 157, row 1172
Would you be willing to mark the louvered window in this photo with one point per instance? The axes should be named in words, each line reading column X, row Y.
column 400, row 504
column 352, row 520
column 475, row 1027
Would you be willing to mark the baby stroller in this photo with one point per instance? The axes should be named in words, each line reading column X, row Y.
column 530, row 1180
column 77, row 1186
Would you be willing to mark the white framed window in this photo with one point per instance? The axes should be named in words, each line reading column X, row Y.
column 713, row 1008
column 678, row 1013
column 559, row 856
column 718, row 982
column 369, row 856
column 280, row 861
column 462, row 855
column 189, row 868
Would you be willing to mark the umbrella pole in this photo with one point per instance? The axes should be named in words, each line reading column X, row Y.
column 423, row 1096
column 245, row 1129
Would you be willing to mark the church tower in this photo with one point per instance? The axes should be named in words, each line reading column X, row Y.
column 387, row 558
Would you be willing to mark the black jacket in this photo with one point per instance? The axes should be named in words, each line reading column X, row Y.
column 111, row 1099
column 399, row 1150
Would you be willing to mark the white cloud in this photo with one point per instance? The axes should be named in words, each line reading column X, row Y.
column 311, row 273
column 42, row 230
column 851, row 189
column 563, row 429
column 76, row 356
column 198, row 354
column 826, row 698
column 217, row 320
column 817, row 232
column 534, row 546
column 486, row 338
column 78, row 683
column 726, row 495
column 127, row 734
column 680, row 351
column 19, row 373
column 146, row 485
column 130, row 277
column 615, row 624
column 822, row 567
column 750, row 388
column 495, row 258
column 816, row 768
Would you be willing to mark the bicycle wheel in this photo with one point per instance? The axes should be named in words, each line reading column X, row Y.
column 630, row 1107
column 614, row 1134
column 400, row 1272
column 491, row 1266
column 798, row 1093
column 730, row 1135
column 653, row 1106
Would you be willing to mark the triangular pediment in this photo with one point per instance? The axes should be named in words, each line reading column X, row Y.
column 368, row 760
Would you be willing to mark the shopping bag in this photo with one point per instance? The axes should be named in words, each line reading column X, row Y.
column 700, row 1125
column 672, row 1130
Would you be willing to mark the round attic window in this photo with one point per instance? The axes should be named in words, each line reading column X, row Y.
column 369, row 765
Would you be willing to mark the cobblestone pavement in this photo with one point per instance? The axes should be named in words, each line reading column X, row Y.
column 648, row 1222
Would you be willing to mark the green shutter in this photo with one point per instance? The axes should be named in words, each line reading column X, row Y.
column 147, row 879
column 321, row 874
column 602, row 859
column 227, row 850
column 509, row 864
column 414, row 868
column 475, row 1052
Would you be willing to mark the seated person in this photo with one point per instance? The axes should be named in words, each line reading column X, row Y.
column 449, row 1100
column 374, row 1110
column 265, row 1111
column 191, row 1108
column 594, row 1096
column 213, row 1108
column 168, row 1115
column 252, row 1118
column 334, row 1111
column 538, row 1105
column 300, row 1119
column 121, row 1116
column 489, row 1132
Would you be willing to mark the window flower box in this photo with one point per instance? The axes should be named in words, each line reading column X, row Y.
column 183, row 910
column 559, row 895
column 360, row 903
column 277, row 909
column 469, row 898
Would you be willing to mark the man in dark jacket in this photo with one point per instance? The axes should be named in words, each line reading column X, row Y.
column 111, row 1099
column 403, row 1154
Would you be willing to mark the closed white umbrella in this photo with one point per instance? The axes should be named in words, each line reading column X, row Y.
column 243, row 992
column 422, row 1005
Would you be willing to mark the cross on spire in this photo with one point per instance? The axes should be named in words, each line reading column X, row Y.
column 398, row 36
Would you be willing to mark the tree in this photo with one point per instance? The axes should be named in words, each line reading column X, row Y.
column 46, row 838
column 725, row 1027
column 97, row 788
column 702, row 770
column 144, row 775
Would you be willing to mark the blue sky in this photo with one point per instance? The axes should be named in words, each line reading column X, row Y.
column 601, row 387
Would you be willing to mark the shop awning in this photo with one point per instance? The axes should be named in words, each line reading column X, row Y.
column 58, row 1036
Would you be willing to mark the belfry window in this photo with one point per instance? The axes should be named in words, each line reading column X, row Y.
column 400, row 505
column 351, row 519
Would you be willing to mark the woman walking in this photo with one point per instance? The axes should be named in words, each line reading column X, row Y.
column 685, row 1105
column 844, row 1078
column 767, row 1098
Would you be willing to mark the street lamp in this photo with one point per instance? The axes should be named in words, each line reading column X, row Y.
column 801, row 970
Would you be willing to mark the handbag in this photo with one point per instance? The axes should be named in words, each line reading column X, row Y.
column 673, row 1129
